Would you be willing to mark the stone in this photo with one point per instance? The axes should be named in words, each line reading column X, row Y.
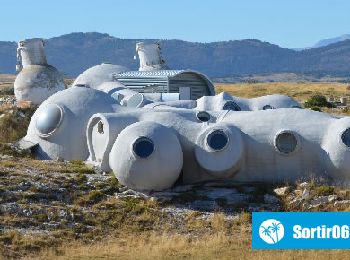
column 25, row 104
column 206, row 205
column 270, row 199
column 304, row 185
column 229, row 195
column 306, row 194
column 321, row 200
column 342, row 202
column 282, row 191
column 295, row 201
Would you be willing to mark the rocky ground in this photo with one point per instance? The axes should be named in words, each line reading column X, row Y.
column 45, row 203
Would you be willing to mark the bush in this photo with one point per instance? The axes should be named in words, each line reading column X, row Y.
column 7, row 90
column 324, row 190
column 318, row 101
column 14, row 124
column 316, row 109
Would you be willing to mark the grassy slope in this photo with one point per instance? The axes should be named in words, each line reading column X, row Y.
column 299, row 91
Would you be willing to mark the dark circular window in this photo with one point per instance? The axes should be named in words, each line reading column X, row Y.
column 266, row 107
column 143, row 147
column 345, row 137
column 217, row 140
column 230, row 105
column 203, row 116
column 286, row 142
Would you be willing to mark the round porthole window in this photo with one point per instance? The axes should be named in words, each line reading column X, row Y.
column 143, row 147
column 345, row 137
column 230, row 105
column 49, row 119
column 203, row 116
column 217, row 140
column 266, row 107
column 135, row 100
column 286, row 142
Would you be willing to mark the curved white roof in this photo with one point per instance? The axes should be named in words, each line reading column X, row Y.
column 96, row 75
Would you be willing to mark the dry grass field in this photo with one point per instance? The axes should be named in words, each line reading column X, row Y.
column 219, row 245
column 299, row 91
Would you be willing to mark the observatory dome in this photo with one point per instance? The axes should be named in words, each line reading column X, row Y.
column 96, row 75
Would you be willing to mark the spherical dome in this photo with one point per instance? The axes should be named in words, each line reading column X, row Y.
column 96, row 75
column 146, row 156
column 273, row 102
column 219, row 150
column 337, row 145
column 36, row 83
column 58, row 126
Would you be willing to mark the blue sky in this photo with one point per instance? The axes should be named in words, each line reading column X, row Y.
column 292, row 23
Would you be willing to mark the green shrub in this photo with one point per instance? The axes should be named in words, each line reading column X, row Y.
column 316, row 109
column 14, row 124
column 7, row 91
column 318, row 101
column 9, row 149
column 90, row 198
column 324, row 190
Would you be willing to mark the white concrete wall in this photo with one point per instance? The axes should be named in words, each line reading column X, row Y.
column 92, row 124
column 219, row 101
column 251, row 153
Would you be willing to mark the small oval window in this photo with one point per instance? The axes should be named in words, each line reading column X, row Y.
column 345, row 137
column 143, row 147
column 100, row 127
column 217, row 140
column 286, row 142
column 266, row 107
column 203, row 116
column 230, row 105
column 135, row 100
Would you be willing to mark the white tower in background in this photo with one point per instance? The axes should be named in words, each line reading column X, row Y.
column 150, row 56
column 36, row 80
column 30, row 52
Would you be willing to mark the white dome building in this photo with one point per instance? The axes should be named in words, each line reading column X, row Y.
column 96, row 75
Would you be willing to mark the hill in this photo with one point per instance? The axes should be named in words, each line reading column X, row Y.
column 326, row 42
column 75, row 52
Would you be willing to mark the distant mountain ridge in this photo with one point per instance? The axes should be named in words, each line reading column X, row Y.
column 329, row 41
column 73, row 53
